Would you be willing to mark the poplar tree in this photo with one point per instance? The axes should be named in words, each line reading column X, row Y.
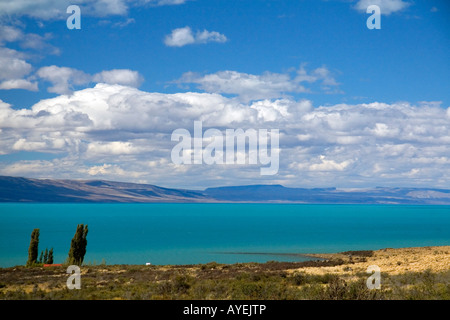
column 33, row 249
column 78, row 245
column 45, row 255
column 50, row 256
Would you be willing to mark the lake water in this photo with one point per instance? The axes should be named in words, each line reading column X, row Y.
column 225, row 233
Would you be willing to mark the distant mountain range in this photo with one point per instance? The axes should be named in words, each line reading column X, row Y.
column 14, row 189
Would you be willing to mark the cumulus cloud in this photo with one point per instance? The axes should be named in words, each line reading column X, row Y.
column 184, row 36
column 33, row 41
column 44, row 9
column 13, row 64
column 64, row 79
column 386, row 6
column 13, row 69
column 119, row 76
column 123, row 133
column 247, row 86
column 329, row 165
column 18, row 84
column 206, row 36
column 104, row 170
column 104, row 8
column 56, row 9
column 265, row 86
column 180, row 37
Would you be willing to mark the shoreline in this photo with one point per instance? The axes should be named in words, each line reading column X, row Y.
column 412, row 256
column 346, row 256
column 406, row 273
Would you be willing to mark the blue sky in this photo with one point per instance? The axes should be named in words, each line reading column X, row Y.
column 314, row 64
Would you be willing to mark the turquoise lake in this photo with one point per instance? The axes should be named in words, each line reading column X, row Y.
column 225, row 233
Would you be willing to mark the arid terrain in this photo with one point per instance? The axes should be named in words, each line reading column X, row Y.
column 406, row 273
column 391, row 261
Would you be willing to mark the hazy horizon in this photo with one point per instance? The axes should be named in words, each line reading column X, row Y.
column 355, row 107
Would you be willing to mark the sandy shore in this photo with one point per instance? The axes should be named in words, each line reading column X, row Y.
column 391, row 261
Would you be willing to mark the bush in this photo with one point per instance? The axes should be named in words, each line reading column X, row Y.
column 359, row 253
column 298, row 279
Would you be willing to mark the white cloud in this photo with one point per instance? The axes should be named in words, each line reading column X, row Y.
column 107, row 170
column 206, row 36
column 65, row 79
column 111, row 148
column 319, row 74
column 265, row 86
column 329, row 165
column 18, row 84
column 56, row 9
column 33, row 41
column 29, row 168
column 38, row 42
column 120, row 132
column 108, row 7
column 180, row 37
column 119, row 76
column 95, row 170
column 23, row 144
column 247, row 86
column 122, row 24
column 13, row 69
column 184, row 36
column 167, row 2
column 324, row 74
column 10, row 34
column 386, row 6
column 13, row 65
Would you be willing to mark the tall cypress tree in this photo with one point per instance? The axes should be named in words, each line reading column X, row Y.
column 50, row 256
column 78, row 245
column 33, row 248
column 45, row 255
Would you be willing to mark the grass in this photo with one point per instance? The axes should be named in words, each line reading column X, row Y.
column 421, row 273
column 270, row 281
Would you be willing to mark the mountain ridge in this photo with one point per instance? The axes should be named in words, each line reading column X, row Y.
column 20, row 189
